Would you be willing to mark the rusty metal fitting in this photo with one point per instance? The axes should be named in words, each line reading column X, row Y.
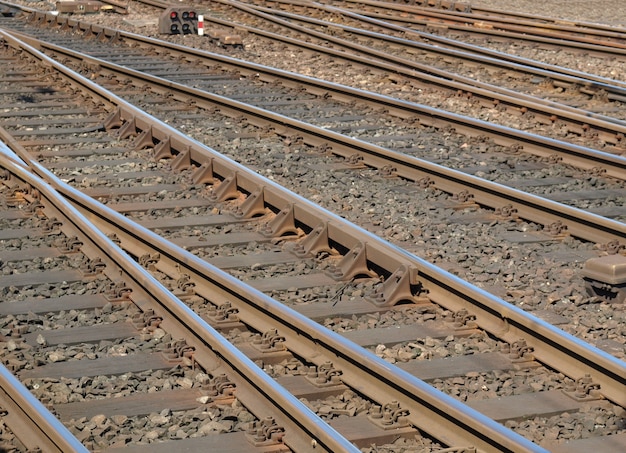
column 147, row 319
column 389, row 416
column 265, row 432
column 507, row 212
column 220, row 387
column 148, row 261
column 224, row 313
column 69, row 244
column 90, row 268
column 51, row 226
column 462, row 320
column 519, row 351
column 324, row 375
column 270, row 341
column 556, row 229
column 118, row 291
column 584, row 389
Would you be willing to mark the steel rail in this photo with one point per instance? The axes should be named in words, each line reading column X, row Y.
column 532, row 24
column 430, row 410
column 616, row 90
column 492, row 56
column 454, row 7
column 552, row 346
column 495, row 95
column 559, row 75
column 604, row 48
column 587, row 26
column 531, row 207
column 31, row 422
column 304, row 429
column 524, row 26
column 579, row 122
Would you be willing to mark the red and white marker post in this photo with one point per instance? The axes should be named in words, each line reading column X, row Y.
column 200, row 25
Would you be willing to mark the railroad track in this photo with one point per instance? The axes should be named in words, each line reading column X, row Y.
column 403, row 42
column 452, row 182
column 497, row 25
column 553, row 119
column 199, row 371
column 239, row 196
column 154, row 317
column 449, row 65
column 465, row 203
column 584, row 158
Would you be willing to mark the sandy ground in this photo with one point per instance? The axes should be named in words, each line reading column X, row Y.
column 611, row 12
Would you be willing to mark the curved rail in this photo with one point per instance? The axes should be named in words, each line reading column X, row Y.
column 489, row 92
column 30, row 421
column 579, row 121
column 573, row 357
column 432, row 411
column 480, row 55
column 579, row 223
column 304, row 428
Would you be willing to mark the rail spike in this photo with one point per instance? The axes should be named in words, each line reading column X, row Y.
column 324, row 375
column 270, row 341
column 148, row 320
column 220, row 389
column 69, row 244
column 520, row 354
column 184, row 286
column 584, row 389
column 91, row 268
column 463, row 320
column 149, row 261
column 224, row 313
column 118, row 292
column 556, row 229
column 178, row 351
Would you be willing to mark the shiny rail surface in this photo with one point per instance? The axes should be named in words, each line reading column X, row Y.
column 550, row 345
column 300, row 327
column 602, row 42
column 30, row 421
column 206, row 347
column 485, row 193
column 393, row 58
column 547, row 112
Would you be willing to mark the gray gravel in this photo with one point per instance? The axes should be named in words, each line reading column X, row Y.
column 554, row 289
column 611, row 12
